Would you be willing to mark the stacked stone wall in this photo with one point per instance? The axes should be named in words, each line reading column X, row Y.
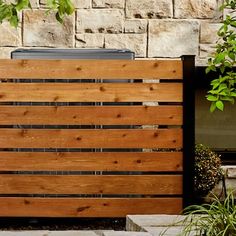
column 151, row 28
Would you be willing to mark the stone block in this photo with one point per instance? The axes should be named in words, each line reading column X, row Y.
column 34, row 3
column 100, row 21
column 9, row 36
column 109, row 4
column 89, row 40
column 206, row 50
column 79, row 4
column 229, row 12
column 135, row 26
column 173, row 38
column 230, row 185
column 209, row 32
column 149, row 9
column 201, row 9
column 134, row 42
column 231, row 171
column 82, row 4
column 44, row 30
column 200, row 61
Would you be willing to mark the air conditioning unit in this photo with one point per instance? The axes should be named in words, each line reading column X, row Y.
column 76, row 54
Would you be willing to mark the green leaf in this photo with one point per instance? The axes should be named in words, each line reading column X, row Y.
column 58, row 17
column 219, row 58
column 226, row 98
column 223, row 93
column 220, row 105
column 14, row 21
column 213, row 92
column 212, row 98
column 21, row 4
column 215, row 85
column 232, row 55
column 208, row 69
column 233, row 94
column 233, row 23
column 29, row 5
column 222, row 87
column 70, row 8
column 212, row 107
column 222, row 69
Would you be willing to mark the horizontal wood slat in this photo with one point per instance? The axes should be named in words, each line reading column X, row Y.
column 106, row 161
column 91, row 92
column 77, row 207
column 110, row 115
column 106, row 138
column 106, row 69
column 157, row 176
column 90, row 184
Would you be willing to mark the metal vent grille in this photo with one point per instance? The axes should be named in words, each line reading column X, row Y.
column 73, row 54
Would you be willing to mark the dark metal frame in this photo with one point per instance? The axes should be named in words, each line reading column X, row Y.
column 188, row 129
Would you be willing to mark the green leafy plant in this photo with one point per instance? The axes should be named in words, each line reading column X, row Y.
column 62, row 8
column 208, row 171
column 215, row 219
column 10, row 11
column 222, row 62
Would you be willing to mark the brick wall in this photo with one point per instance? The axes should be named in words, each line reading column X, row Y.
column 151, row 28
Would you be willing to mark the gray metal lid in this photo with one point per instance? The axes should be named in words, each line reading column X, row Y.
column 73, row 53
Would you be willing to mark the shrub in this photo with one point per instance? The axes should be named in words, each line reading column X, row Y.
column 223, row 87
column 208, row 171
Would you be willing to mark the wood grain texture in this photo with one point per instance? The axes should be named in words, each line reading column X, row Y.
column 91, row 92
column 106, row 138
column 89, row 207
column 162, row 184
column 90, row 69
column 89, row 161
column 111, row 115
column 90, row 184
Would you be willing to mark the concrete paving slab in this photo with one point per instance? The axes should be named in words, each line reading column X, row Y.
column 48, row 233
column 101, row 232
column 123, row 233
column 167, row 231
column 137, row 222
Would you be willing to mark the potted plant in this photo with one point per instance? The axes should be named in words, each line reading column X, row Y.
column 208, row 171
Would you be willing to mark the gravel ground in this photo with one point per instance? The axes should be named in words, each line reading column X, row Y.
column 62, row 224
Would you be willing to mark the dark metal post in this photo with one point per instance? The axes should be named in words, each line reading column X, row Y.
column 188, row 129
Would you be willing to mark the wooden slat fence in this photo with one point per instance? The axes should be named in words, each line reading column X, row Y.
column 140, row 167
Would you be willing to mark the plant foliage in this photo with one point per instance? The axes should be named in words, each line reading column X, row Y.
column 208, row 171
column 215, row 219
column 9, row 11
column 223, row 88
